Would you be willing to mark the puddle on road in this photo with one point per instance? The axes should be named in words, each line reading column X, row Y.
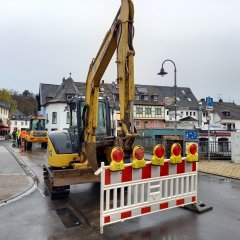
column 68, row 218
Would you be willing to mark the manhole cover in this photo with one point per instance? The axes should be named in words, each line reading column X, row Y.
column 68, row 218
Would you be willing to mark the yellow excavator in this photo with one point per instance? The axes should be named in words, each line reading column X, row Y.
column 36, row 133
column 74, row 156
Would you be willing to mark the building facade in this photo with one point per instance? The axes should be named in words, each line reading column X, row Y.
column 4, row 119
column 18, row 121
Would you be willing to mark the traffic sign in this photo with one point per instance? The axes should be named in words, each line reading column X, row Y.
column 191, row 135
column 209, row 104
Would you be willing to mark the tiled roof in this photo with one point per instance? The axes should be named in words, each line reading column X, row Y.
column 5, row 105
column 17, row 115
column 46, row 91
column 156, row 94
column 221, row 107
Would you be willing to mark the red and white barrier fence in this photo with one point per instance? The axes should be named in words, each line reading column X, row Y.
column 133, row 193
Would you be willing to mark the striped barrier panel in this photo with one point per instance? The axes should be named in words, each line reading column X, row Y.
column 133, row 193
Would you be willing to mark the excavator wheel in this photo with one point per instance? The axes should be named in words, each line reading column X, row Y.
column 54, row 192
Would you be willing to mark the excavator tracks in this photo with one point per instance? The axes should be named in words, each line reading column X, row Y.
column 55, row 192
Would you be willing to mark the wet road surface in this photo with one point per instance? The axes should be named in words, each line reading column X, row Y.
column 37, row 217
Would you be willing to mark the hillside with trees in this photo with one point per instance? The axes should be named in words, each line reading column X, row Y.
column 25, row 102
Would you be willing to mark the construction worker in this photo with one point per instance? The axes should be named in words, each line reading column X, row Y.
column 23, row 136
column 18, row 138
column 14, row 137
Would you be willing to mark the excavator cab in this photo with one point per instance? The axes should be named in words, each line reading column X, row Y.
column 65, row 147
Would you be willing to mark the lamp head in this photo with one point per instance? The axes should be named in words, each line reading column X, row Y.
column 162, row 72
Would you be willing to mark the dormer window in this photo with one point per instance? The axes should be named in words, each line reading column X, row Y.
column 226, row 113
column 137, row 97
column 69, row 97
column 21, row 116
column 155, row 97
column 13, row 116
column 145, row 97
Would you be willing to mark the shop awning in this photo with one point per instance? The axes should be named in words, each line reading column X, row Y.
column 4, row 128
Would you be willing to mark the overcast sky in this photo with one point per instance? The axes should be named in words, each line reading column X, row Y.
column 43, row 40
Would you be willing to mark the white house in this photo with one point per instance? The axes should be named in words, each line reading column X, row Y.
column 18, row 121
column 53, row 101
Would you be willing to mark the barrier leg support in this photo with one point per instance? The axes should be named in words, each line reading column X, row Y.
column 198, row 207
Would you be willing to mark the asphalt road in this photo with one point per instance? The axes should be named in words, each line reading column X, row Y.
column 36, row 216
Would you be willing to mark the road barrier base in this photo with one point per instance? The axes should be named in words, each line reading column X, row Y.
column 198, row 207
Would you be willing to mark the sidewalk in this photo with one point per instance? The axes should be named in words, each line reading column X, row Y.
column 13, row 180
column 220, row 167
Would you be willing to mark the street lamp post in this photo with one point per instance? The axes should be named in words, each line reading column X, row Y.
column 162, row 73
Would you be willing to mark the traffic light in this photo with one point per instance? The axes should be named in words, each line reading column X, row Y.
column 176, row 151
column 138, row 157
column 192, row 152
column 158, row 155
column 117, row 163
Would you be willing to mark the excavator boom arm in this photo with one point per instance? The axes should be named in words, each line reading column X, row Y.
column 119, row 38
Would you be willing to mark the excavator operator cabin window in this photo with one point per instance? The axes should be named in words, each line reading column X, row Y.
column 73, row 109
column 102, row 119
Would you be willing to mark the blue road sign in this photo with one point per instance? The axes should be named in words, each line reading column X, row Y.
column 191, row 135
column 209, row 103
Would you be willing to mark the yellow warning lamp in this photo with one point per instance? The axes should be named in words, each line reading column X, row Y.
column 117, row 163
column 158, row 155
column 192, row 152
column 138, row 158
column 176, row 151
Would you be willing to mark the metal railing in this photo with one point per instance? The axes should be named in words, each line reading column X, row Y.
column 219, row 150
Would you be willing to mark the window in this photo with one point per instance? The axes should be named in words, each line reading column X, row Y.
column 226, row 113
column 145, row 97
column 186, row 113
column 54, row 117
column 194, row 113
column 178, row 99
column 189, row 99
column 69, row 97
column 148, row 110
column 16, row 123
column 158, row 111
column 167, row 112
column 190, row 113
column 67, row 118
column 26, row 123
column 145, row 125
column 137, row 123
column 139, row 110
column 22, row 123
column 183, row 92
column 155, row 98
column 137, row 97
